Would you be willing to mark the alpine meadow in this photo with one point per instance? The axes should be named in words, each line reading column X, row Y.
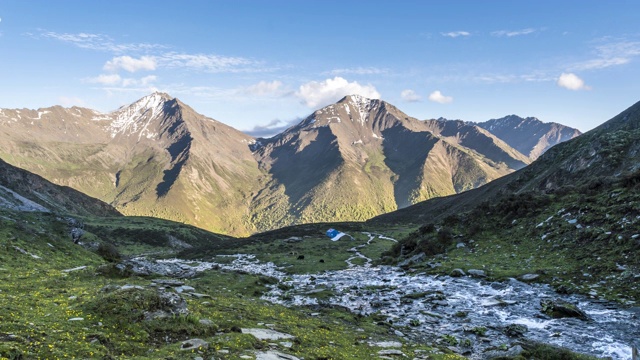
column 319, row 180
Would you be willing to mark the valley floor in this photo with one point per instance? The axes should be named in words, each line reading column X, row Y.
column 298, row 297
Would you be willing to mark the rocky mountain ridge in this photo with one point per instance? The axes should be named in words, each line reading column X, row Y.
column 21, row 190
column 530, row 136
column 351, row 160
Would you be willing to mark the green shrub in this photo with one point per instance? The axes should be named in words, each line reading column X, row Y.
column 109, row 252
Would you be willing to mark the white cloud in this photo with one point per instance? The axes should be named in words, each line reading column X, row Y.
column 455, row 34
column 572, row 82
column 130, row 64
column 538, row 76
column 208, row 62
column 145, row 81
column 265, row 88
column 148, row 79
column 410, row 96
column 272, row 128
column 437, row 96
column 316, row 94
column 508, row 33
column 359, row 71
column 615, row 53
column 98, row 42
column 105, row 79
column 160, row 56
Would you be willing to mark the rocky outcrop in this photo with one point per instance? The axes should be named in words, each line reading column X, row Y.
column 560, row 309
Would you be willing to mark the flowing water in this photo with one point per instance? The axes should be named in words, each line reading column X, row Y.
column 425, row 307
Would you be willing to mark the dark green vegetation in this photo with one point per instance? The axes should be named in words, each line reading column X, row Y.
column 142, row 235
column 567, row 239
column 47, row 312
column 572, row 218
column 302, row 249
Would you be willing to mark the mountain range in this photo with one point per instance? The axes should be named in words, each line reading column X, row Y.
column 606, row 154
column 351, row 160
column 569, row 219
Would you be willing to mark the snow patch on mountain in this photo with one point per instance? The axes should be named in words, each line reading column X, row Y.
column 129, row 119
column 40, row 113
column 363, row 106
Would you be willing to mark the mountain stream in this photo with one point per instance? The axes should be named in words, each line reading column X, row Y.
column 470, row 314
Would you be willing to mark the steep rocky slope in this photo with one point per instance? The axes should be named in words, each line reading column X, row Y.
column 529, row 136
column 21, row 190
column 158, row 157
column 361, row 157
column 154, row 157
column 606, row 153
column 570, row 218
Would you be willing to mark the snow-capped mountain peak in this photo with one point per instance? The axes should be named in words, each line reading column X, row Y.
column 139, row 114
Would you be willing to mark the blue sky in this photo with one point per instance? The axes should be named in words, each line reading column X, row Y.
column 262, row 65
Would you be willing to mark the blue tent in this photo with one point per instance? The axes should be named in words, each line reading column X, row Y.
column 334, row 234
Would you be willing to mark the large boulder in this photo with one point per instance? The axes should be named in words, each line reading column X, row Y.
column 457, row 273
column 560, row 309
column 476, row 273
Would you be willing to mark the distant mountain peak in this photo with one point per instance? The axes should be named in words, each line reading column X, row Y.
column 529, row 135
column 130, row 117
column 355, row 98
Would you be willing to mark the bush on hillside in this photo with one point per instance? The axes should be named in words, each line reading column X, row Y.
column 109, row 252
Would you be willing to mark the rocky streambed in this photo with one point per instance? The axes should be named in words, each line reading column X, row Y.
column 474, row 317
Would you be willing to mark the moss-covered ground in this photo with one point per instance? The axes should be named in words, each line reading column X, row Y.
column 580, row 240
column 49, row 313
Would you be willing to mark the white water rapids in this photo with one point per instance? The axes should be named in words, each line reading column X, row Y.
column 438, row 302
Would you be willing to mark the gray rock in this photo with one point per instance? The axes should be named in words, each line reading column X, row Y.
column 75, row 269
column 413, row 260
column 206, row 322
column 267, row 334
column 391, row 352
column 198, row 295
column 460, row 245
column 497, row 302
column 529, row 277
column 457, row 273
column 621, row 267
column 515, row 330
column 476, row 273
column 274, row 355
column 560, row 309
column 511, row 352
column 129, row 287
column 169, row 282
column 146, row 268
column 194, row 344
column 185, row 289
column 176, row 243
column 386, row 344
column 171, row 303
column 109, row 288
